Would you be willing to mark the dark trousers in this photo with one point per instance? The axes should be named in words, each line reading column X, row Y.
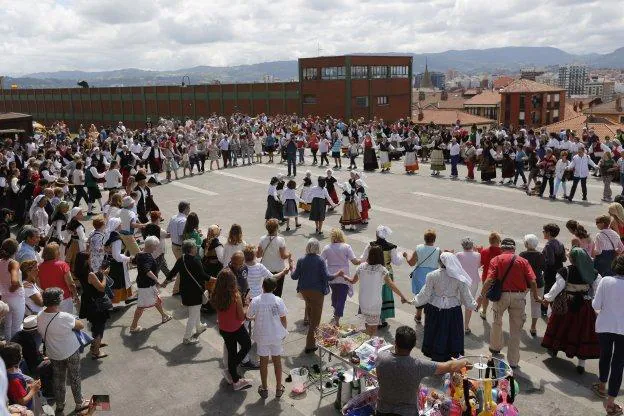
column 324, row 158
column 236, row 356
column 551, row 185
column 575, row 182
column 292, row 162
column 454, row 162
column 80, row 194
column 314, row 152
column 202, row 162
column 352, row 164
column 519, row 172
column 611, row 362
column 280, row 285
column 226, row 157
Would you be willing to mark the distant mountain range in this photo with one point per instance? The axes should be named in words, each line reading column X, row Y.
column 471, row 61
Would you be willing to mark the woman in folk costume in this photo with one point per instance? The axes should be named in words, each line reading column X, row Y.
column 384, row 154
column 437, row 156
column 350, row 213
column 446, row 290
column 411, row 146
column 75, row 232
column 320, row 199
column 274, row 206
column 370, row 157
column 291, row 201
column 391, row 257
column 58, row 222
column 361, row 199
column 330, row 184
column 304, row 196
column 488, row 162
column 574, row 331
column 122, row 286
column 509, row 168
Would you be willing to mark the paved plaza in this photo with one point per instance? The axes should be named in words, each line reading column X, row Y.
column 152, row 373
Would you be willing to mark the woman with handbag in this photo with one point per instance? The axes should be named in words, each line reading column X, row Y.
column 425, row 258
column 62, row 346
column 193, row 280
column 95, row 306
column 571, row 326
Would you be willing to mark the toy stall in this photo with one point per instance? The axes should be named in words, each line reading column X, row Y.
column 346, row 368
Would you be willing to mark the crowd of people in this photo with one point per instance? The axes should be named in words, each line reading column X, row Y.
column 67, row 263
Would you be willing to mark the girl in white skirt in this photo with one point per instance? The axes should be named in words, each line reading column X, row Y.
column 304, row 196
column 291, row 200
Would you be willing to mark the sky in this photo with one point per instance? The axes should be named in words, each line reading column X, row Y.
column 94, row 35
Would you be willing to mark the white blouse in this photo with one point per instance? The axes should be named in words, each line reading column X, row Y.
column 608, row 300
column 290, row 194
column 444, row 292
column 39, row 220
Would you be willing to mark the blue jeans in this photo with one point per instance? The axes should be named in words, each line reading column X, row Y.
column 454, row 162
column 301, row 150
column 519, row 172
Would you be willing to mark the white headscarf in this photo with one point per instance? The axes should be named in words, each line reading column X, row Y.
column 74, row 211
column 34, row 205
column 454, row 268
column 384, row 232
column 113, row 224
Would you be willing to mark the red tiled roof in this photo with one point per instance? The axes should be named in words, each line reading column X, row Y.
column 485, row 98
column 502, row 82
column 577, row 123
column 449, row 118
column 526, row 85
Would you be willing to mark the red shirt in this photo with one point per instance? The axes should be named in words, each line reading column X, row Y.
column 488, row 254
column 52, row 274
column 520, row 275
column 228, row 319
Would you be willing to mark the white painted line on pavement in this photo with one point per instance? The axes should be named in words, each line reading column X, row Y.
column 244, row 178
column 500, row 208
column 193, row 188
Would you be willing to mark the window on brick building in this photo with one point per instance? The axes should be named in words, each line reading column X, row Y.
column 382, row 100
column 333, row 72
column 379, row 71
column 361, row 101
column 399, row 72
column 310, row 73
column 309, row 99
column 359, row 72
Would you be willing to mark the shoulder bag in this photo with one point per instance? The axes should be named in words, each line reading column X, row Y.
column 205, row 293
column 45, row 333
column 559, row 305
column 421, row 263
column 496, row 290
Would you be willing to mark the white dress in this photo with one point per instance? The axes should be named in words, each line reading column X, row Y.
column 371, row 279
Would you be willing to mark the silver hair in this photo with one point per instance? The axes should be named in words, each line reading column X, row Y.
column 151, row 242
column 531, row 241
column 313, row 246
column 467, row 243
column 52, row 296
column 188, row 246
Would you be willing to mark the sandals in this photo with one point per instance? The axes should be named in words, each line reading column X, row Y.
column 82, row 407
column 614, row 410
column 280, row 391
column 98, row 356
column 264, row 393
column 483, row 315
column 467, row 332
column 135, row 330
column 596, row 389
column 166, row 319
column 533, row 332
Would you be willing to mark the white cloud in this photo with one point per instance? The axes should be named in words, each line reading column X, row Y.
column 49, row 35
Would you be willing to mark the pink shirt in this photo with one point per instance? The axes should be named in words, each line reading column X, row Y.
column 608, row 239
column 470, row 261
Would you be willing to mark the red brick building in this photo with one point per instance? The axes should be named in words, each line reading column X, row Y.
column 529, row 104
column 343, row 86
column 356, row 86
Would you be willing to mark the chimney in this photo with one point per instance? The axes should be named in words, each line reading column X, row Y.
column 420, row 114
column 618, row 104
column 444, row 96
column 580, row 106
column 575, row 106
column 479, row 90
column 421, row 96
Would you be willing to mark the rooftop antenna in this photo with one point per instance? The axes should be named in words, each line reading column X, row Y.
column 318, row 49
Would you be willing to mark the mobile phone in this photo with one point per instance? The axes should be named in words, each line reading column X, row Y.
column 101, row 401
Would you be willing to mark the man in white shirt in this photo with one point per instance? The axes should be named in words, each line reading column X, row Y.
column 454, row 150
column 580, row 166
column 224, row 146
column 175, row 228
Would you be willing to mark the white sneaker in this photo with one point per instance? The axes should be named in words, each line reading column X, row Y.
column 241, row 384
column 201, row 330
column 227, row 376
column 190, row 341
